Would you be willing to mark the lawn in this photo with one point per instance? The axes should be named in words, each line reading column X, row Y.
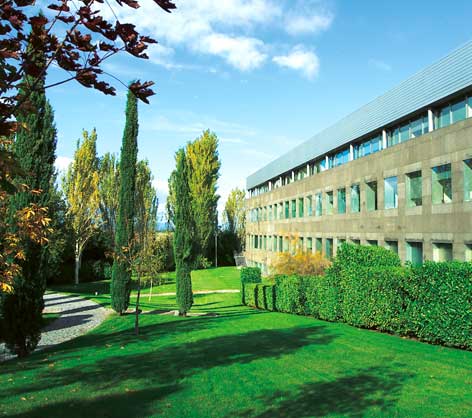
column 239, row 362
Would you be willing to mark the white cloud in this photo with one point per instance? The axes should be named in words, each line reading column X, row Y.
column 380, row 65
column 62, row 163
column 302, row 24
column 300, row 59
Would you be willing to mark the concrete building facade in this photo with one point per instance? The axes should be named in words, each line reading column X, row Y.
column 394, row 175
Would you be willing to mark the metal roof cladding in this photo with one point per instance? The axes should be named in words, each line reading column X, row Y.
column 441, row 79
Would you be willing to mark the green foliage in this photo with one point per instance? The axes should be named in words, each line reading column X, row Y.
column 439, row 303
column 249, row 275
column 109, row 190
column 234, row 217
column 352, row 255
column 121, row 274
column 249, row 292
column 184, row 236
column 330, row 297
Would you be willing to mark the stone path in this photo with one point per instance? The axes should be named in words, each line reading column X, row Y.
column 77, row 316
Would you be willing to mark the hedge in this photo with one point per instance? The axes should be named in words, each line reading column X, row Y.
column 249, row 275
column 432, row 302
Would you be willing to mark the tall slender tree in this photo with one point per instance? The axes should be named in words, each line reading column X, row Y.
column 121, row 275
column 109, row 191
column 204, row 166
column 184, row 236
column 34, row 149
column 234, row 216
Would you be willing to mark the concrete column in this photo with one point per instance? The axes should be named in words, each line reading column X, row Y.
column 351, row 152
column 430, row 120
column 270, row 185
column 384, row 139
column 293, row 176
column 308, row 170
column 326, row 163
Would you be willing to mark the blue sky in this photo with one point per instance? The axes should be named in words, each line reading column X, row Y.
column 264, row 75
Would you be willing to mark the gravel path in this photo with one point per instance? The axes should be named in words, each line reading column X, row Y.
column 77, row 316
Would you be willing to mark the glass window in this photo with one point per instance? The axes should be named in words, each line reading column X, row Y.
column 301, row 247
column 309, row 245
column 281, row 244
column 355, row 198
column 329, row 203
column 265, row 242
column 442, row 251
column 274, row 214
column 287, row 210
column 270, row 212
column 458, row 111
column 391, row 192
column 392, row 246
column 414, row 189
column 342, row 200
column 319, row 245
column 286, row 244
column 468, row 180
column 414, row 252
column 371, row 195
column 329, row 248
column 319, row 204
column 405, row 132
column 294, row 208
column 417, row 128
column 274, row 243
column 468, row 252
column 340, row 242
column 309, row 206
column 372, row 242
column 341, row 157
column 444, row 117
column 393, row 137
column 301, row 208
column 441, row 184
column 281, row 210
column 356, row 241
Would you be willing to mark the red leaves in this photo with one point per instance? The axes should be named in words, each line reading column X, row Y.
column 167, row 5
column 142, row 90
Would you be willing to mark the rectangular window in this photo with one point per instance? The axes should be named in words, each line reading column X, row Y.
column 444, row 117
column 355, row 198
column 281, row 244
column 309, row 245
column 371, row 195
column 301, row 248
column 294, row 208
column 405, row 132
column 372, row 242
column 265, row 242
column 319, row 204
column 341, row 158
column 329, row 203
column 391, row 193
column 442, row 251
column 301, row 207
column 286, row 246
column 281, row 210
column 329, row 248
column 274, row 243
column 356, row 241
column 270, row 212
column 392, row 246
column 342, row 200
column 414, row 252
column 419, row 127
column 441, row 184
column 319, row 245
column 468, row 180
column 309, row 206
column 340, row 241
column 458, row 111
column 468, row 252
column 414, row 189
column 274, row 215
column 393, row 137
column 287, row 210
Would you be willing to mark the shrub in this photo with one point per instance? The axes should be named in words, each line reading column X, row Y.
column 439, row 298
column 330, row 297
column 302, row 263
column 352, row 255
column 264, row 295
column 250, row 291
column 298, row 294
column 248, row 275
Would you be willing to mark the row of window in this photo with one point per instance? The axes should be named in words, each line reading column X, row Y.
column 442, row 251
column 444, row 116
column 441, row 192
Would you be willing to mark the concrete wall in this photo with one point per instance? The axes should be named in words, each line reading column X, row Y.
column 449, row 222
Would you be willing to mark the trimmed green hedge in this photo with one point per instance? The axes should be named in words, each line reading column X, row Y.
column 432, row 302
column 248, row 275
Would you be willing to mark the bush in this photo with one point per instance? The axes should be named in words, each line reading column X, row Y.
column 250, row 296
column 298, row 294
column 330, row 297
column 302, row 263
column 249, row 275
column 439, row 298
column 352, row 255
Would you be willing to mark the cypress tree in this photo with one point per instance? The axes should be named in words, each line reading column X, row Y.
column 184, row 235
column 34, row 149
column 121, row 276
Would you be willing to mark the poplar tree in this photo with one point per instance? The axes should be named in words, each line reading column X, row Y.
column 184, row 234
column 34, row 149
column 204, row 166
column 121, row 274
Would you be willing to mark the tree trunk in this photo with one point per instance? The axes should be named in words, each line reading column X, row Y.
column 78, row 259
column 150, row 290
column 136, row 320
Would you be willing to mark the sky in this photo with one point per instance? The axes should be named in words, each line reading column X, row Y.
column 264, row 75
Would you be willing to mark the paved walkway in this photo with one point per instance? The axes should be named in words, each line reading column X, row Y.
column 77, row 316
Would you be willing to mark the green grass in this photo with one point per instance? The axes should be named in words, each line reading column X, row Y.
column 240, row 363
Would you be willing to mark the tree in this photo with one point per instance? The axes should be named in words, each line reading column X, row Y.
column 184, row 235
column 204, row 166
column 234, row 215
column 146, row 202
column 82, row 192
column 121, row 276
column 109, row 187
column 34, row 150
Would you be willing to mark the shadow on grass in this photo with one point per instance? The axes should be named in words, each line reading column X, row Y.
column 352, row 395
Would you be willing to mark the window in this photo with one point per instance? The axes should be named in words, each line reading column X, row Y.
column 372, row 242
column 341, row 158
column 468, row 252
column 356, row 241
column 442, row 184
column 319, row 204
column 340, row 241
column 274, row 243
column 329, row 203
column 468, row 180
column 270, row 212
column 281, row 244
column 319, row 245
column 391, row 193
column 274, row 215
column 281, row 210
column 419, row 127
column 329, row 248
column 309, row 245
column 300, row 244
column 393, row 137
column 392, row 246
column 287, row 210
column 355, row 198
column 405, row 132
column 294, row 208
column 301, row 207
column 286, row 246
column 265, row 242
column 368, row 147
column 458, row 111
column 444, row 117
column 414, row 189
column 414, row 252
column 309, row 206
column 442, row 251
column 342, row 200
column 371, row 195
